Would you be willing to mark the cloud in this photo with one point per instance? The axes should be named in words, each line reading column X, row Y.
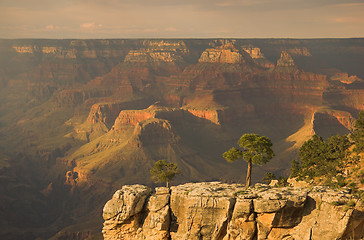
column 90, row 25
column 177, row 18
column 350, row 5
column 348, row 20
column 49, row 27
column 171, row 29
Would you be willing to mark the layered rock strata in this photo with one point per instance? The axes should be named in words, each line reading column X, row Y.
column 145, row 56
column 220, row 55
column 254, row 52
column 213, row 210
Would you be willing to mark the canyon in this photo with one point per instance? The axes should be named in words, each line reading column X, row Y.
column 79, row 119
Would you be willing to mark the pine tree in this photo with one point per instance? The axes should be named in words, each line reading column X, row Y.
column 255, row 149
column 164, row 171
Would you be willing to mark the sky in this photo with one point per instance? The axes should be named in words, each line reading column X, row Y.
column 181, row 18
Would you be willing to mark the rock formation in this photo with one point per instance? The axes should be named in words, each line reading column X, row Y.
column 220, row 55
column 299, row 51
column 258, row 57
column 145, row 56
column 285, row 60
column 254, row 52
column 345, row 78
column 212, row 210
column 326, row 121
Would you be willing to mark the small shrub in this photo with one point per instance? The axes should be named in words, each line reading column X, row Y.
column 341, row 181
column 349, row 205
column 239, row 192
column 282, row 181
column 335, row 203
column 355, row 169
column 331, row 182
column 295, row 168
column 361, row 194
column 353, row 187
column 268, row 177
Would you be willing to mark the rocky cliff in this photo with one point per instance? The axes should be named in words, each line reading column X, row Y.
column 212, row 210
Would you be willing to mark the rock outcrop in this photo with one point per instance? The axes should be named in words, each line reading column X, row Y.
column 345, row 78
column 213, row 210
column 220, row 55
column 254, row 52
column 161, row 56
column 285, row 60
column 258, row 57
column 299, row 51
column 99, row 121
column 325, row 121
column 151, row 56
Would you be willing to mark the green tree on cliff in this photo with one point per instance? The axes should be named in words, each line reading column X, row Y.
column 318, row 157
column 255, row 149
column 358, row 133
column 164, row 171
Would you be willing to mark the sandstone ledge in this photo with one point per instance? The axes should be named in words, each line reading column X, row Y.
column 213, row 210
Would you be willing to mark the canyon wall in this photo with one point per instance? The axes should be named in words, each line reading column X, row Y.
column 212, row 210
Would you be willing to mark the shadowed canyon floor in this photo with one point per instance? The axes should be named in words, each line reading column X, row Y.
column 81, row 118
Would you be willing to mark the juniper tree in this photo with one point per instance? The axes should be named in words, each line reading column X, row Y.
column 318, row 157
column 164, row 171
column 358, row 133
column 255, row 149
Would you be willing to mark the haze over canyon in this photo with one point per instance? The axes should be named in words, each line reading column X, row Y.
column 81, row 118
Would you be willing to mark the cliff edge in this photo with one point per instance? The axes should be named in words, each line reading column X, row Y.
column 213, row 210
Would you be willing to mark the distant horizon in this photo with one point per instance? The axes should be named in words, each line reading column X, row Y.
column 146, row 19
column 185, row 38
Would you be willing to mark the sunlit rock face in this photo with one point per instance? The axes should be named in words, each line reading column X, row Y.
column 145, row 56
column 254, row 52
column 212, row 210
column 297, row 51
column 220, row 56
column 285, row 60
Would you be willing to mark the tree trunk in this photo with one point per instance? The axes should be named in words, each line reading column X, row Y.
column 248, row 174
column 167, row 184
